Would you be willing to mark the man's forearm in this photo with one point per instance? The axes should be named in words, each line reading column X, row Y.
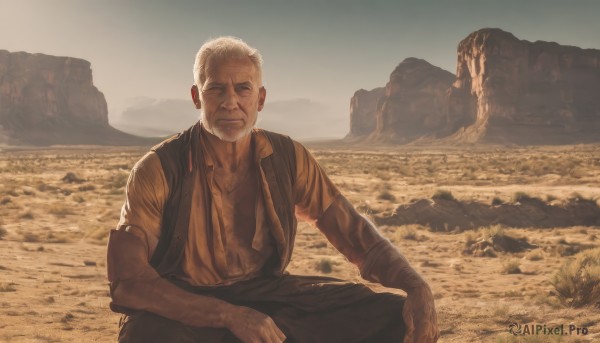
column 386, row 265
column 136, row 285
column 358, row 239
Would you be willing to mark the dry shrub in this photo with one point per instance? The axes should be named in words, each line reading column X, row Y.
column 7, row 287
column 470, row 239
column 442, row 194
column 577, row 282
column 30, row 237
column 43, row 187
column 27, row 215
column 12, row 192
column 408, row 233
column 564, row 248
column 511, row 267
column 386, row 195
column 60, row 210
column 86, row 188
column 3, row 232
column 70, row 177
column 325, row 266
column 497, row 201
column 535, row 256
column 78, row 199
column 521, row 196
column 577, row 173
column 493, row 231
column 56, row 238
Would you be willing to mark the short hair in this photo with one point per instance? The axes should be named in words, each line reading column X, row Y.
column 224, row 48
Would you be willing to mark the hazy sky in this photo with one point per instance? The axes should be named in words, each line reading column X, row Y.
column 319, row 50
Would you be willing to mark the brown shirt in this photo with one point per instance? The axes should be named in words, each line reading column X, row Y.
column 226, row 252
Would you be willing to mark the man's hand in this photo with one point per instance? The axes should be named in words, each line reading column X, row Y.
column 420, row 316
column 251, row 326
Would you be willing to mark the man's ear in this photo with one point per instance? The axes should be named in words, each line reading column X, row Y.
column 196, row 97
column 262, row 95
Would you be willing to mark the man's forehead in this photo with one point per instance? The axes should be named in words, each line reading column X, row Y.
column 237, row 67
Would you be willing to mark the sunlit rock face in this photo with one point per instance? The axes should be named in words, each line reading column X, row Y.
column 52, row 100
column 414, row 104
column 514, row 91
column 363, row 112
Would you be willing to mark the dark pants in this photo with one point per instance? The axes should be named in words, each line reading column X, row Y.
column 306, row 308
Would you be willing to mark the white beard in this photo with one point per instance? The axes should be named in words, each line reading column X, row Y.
column 226, row 135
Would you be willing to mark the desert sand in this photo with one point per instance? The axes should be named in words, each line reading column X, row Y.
column 58, row 204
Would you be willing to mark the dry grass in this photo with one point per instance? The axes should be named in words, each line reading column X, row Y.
column 577, row 282
column 324, row 265
column 7, row 287
column 511, row 266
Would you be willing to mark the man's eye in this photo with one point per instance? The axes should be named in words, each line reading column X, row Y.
column 213, row 89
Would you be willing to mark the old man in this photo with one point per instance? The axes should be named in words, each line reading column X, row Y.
column 208, row 226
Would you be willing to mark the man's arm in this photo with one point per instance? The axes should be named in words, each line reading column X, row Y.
column 318, row 200
column 358, row 239
column 135, row 284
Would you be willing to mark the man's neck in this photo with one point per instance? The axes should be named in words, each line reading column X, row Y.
column 231, row 156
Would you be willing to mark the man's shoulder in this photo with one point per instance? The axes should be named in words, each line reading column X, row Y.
column 148, row 164
column 176, row 139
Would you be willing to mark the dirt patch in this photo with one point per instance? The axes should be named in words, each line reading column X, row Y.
column 443, row 214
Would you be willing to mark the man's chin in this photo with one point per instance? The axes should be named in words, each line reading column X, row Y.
column 231, row 136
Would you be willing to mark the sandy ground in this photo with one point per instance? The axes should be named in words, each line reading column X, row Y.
column 53, row 231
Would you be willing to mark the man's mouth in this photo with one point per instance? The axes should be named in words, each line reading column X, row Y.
column 230, row 121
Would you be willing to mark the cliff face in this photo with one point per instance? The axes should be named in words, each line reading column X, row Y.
column 414, row 104
column 506, row 91
column 52, row 100
column 363, row 112
column 513, row 91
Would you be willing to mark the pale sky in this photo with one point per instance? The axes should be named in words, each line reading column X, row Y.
column 318, row 50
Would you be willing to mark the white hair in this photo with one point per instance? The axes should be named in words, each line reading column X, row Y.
column 224, row 48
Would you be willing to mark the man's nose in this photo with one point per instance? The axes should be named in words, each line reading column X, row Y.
column 230, row 101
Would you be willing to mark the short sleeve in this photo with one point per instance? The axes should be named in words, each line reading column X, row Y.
column 145, row 194
column 314, row 191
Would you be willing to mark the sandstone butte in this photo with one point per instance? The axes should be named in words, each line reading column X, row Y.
column 506, row 91
column 46, row 100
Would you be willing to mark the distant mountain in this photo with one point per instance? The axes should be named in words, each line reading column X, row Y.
column 47, row 100
column 301, row 119
column 153, row 117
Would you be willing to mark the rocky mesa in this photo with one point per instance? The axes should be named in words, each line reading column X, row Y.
column 47, row 100
column 412, row 105
column 506, row 91
column 514, row 91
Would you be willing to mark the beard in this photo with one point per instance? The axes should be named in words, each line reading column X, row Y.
column 228, row 134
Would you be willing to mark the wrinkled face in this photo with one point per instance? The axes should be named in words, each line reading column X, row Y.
column 231, row 97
